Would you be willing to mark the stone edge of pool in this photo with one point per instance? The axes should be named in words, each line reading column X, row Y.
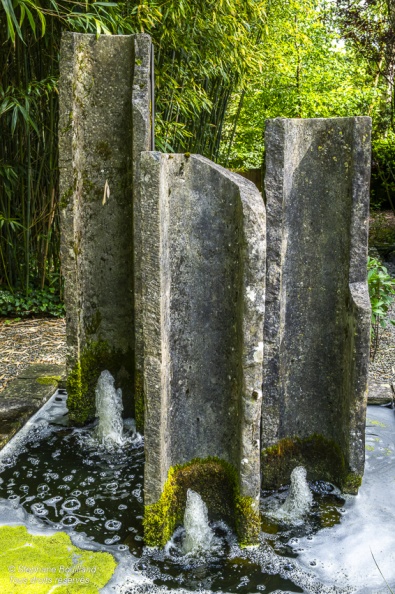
column 26, row 394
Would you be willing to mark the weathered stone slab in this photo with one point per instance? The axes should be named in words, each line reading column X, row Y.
column 203, row 274
column 25, row 395
column 104, row 125
column 380, row 393
column 316, row 337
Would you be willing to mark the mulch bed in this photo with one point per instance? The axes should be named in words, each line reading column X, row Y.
column 41, row 340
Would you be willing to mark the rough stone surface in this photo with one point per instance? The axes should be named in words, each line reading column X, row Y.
column 317, row 308
column 25, row 395
column 104, row 108
column 142, row 119
column 380, row 393
column 203, row 276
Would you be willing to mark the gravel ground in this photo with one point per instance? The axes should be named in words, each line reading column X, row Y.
column 382, row 369
column 43, row 340
column 29, row 341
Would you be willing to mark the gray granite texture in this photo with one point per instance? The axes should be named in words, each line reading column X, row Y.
column 203, row 273
column 104, row 125
column 316, row 336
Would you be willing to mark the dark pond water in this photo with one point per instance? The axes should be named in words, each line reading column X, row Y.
column 61, row 475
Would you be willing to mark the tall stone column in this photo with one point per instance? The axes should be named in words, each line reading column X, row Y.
column 203, row 275
column 317, row 321
column 104, row 125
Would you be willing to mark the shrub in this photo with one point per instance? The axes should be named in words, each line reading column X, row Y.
column 382, row 295
column 41, row 302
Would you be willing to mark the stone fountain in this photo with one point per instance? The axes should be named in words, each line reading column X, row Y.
column 241, row 346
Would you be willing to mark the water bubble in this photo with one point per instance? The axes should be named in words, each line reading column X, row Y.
column 112, row 486
column 122, row 506
column 39, row 509
column 90, row 479
column 24, row 488
column 68, row 478
column 113, row 525
column 11, row 483
column 14, row 498
column 71, row 504
column 29, row 474
column 90, row 502
column 76, row 493
column 110, row 541
column 56, row 454
column 53, row 500
column 98, row 511
column 30, row 498
column 70, row 521
column 43, row 488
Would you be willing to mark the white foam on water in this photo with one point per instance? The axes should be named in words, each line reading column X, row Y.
column 343, row 555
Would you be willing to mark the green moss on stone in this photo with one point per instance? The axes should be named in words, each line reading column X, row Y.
column 351, row 483
column 92, row 325
column 39, row 564
column 322, row 458
column 65, row 198
column 103, row 149
column 216, row 481
column 82, row 379
column 49, row 380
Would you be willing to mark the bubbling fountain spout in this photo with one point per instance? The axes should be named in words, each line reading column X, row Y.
column 109, row 431
column 299, row 499
column 199, row 536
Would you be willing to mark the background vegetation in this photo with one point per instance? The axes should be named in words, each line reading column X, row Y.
column 222, row 68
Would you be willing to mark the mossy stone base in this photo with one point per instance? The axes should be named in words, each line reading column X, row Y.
column 82, row 379
column 216, row 482
column 321, row 457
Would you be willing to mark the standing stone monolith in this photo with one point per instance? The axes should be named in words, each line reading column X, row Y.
column 104, row 125
column 317, row 321
column 203, row 276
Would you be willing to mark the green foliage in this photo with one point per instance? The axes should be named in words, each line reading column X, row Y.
column 383, row 171
column 382, row 295
column 202, row 50
column 38, row 302
column 306, row 71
